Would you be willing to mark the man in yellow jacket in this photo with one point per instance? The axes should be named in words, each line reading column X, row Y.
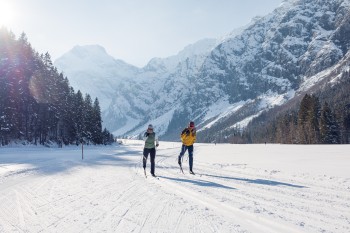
column 188, row 138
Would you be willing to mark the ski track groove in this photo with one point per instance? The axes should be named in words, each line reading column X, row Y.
column 110, row 211
column 20, row 215
column 159, row 214
column 178, row 222
column 8, row 212
column 28, row 206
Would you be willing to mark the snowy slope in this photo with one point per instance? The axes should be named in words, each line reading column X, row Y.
column 237, row 188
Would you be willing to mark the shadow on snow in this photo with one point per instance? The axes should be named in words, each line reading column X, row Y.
column 258, row 181
column 203, row 183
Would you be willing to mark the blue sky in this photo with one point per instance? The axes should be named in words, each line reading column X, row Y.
column 132, row 30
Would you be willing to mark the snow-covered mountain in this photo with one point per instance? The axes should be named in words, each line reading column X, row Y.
column 229, row 81
column 276, row 57
column 91, row 70
column 134, row 96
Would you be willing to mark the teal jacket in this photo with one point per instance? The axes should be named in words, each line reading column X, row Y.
column 151, row 140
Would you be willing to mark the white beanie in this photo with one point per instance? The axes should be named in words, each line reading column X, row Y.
column 150, row 126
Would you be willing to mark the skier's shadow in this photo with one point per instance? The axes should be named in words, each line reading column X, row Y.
column 259, row 181
column 203, row 183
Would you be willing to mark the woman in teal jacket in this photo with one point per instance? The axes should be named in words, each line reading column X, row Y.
column 151, row 142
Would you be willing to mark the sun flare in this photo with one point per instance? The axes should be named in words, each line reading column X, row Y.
column 6, row 14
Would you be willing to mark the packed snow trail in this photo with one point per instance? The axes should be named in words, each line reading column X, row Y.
column 237, row 188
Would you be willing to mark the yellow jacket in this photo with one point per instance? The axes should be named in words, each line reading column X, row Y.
column 188, row 136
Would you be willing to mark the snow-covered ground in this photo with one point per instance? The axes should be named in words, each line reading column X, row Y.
column 237, row 188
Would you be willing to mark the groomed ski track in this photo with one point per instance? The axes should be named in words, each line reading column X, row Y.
column 54, row 191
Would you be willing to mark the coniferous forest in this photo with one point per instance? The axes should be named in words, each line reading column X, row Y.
column 319, row 118
column 37, row 104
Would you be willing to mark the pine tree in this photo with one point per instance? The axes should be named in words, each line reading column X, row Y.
column 87, row 119
column 78, row 116
column 346, row 126
column 313, row 120
column 308, row 120
column 71, row 133
column 97, row 123
column 328, row 127
column 302, row 120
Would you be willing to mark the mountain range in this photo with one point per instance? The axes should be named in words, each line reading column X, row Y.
column 219, row 83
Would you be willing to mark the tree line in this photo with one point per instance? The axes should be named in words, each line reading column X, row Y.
column 319, row 118
column 37, row 104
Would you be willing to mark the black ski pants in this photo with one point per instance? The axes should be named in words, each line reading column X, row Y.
column 190, row 154
column 152, row 152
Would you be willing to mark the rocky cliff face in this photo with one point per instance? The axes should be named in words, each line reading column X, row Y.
column 279, row 51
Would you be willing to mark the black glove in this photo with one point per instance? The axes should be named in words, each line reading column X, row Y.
column 157, row 145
